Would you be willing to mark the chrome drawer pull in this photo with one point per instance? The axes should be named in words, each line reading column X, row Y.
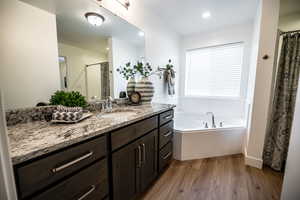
column 168, row 134
column 87, row 193
column 140, row 157
column 57, row 169
column 167, row 156
column 144, row 153
column 169, row 117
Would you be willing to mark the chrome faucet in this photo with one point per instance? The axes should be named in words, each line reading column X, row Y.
column 107, row 105
column 213, row 124
column 110, row 101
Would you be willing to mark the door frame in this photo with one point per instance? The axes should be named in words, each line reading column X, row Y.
column 7, row 180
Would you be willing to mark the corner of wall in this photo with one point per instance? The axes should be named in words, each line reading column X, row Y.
column 252, row 161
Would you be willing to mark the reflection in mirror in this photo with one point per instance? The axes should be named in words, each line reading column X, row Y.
column 63, row 70
column 97, row 80
column 94, row 49
column 87, row 55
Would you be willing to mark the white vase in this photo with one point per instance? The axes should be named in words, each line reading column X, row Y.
column 130, row 86
column 146, row 89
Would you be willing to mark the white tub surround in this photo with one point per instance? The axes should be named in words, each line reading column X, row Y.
column 193, row 141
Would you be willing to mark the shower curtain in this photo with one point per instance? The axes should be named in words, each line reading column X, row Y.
column 105, row 83
column 277, row 139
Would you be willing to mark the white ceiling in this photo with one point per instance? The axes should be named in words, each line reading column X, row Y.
column 83, row 37
column 288, row 7
column 73, row 28
column 185, row 16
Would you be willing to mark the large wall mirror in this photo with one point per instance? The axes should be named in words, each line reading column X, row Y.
column 88, row 55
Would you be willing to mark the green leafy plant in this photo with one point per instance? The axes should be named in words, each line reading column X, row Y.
column 69, row 99
column 144, row 70
column 169, row 65
column 127, row 71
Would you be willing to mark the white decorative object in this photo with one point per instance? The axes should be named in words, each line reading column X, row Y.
column 130, row 86
column 146, row 89
column 84, row 116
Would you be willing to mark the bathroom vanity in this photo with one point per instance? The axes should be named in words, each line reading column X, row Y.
column 113, row 155
column 108, row 156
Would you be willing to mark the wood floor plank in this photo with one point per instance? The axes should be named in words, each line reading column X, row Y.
column 221, row 178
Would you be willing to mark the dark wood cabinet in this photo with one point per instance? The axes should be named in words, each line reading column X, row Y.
column 89, row 184
column 130, row 133
column 166, row 133
column 41, row 173
column 165, row 156
column 135, row 167
column 126, row 171
column 149, row 159
column 166, row 117
column 118, row 165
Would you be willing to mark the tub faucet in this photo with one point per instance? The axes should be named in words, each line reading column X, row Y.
column 213, row 124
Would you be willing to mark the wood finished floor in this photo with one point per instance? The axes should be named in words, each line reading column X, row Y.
column 221, row 178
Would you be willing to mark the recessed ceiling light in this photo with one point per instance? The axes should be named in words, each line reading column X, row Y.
column 141, row 33
column 206, row 15
column 107, row 49
column 94, row 19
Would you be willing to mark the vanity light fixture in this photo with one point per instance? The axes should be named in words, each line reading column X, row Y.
column 141, row 34
column 206, row 15
column 94, row 18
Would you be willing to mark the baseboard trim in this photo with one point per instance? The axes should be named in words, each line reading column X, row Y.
column 252, row 161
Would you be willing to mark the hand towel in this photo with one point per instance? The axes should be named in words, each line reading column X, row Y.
column 170, row 79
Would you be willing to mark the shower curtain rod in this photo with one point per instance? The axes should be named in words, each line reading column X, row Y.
column 286, row 32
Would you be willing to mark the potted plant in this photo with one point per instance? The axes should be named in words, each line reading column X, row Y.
column 144, row 86
column 68, row 99
column 128, row 73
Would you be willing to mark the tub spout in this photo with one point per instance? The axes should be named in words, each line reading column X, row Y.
column 213, row 124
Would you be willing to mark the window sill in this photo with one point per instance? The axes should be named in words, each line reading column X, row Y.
column 212, row 97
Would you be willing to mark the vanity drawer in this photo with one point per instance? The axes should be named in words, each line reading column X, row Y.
column 89, row 184
column 165, row 117
column 39, row 174
column 165, row 156
column 166, row 133
column 126, row 135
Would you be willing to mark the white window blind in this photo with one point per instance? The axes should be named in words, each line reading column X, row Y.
column 214, row 71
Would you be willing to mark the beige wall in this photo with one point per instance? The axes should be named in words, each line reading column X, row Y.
column 222, row 108
column 122, row 53
column 77, row 58
column 267, row 31
column 29, row 70
column 289, row 22
column 161, row 42
column 28, row 60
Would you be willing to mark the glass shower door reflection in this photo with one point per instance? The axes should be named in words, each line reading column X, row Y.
column 97, row 81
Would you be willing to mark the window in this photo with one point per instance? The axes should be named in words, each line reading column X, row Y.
column 214, row 71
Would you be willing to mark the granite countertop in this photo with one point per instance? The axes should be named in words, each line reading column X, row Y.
column 33, row 139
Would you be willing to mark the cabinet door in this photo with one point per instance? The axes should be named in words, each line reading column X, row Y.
column 126, row 172
column 149, row 159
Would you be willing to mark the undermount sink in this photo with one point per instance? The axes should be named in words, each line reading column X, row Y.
column 115, row 113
